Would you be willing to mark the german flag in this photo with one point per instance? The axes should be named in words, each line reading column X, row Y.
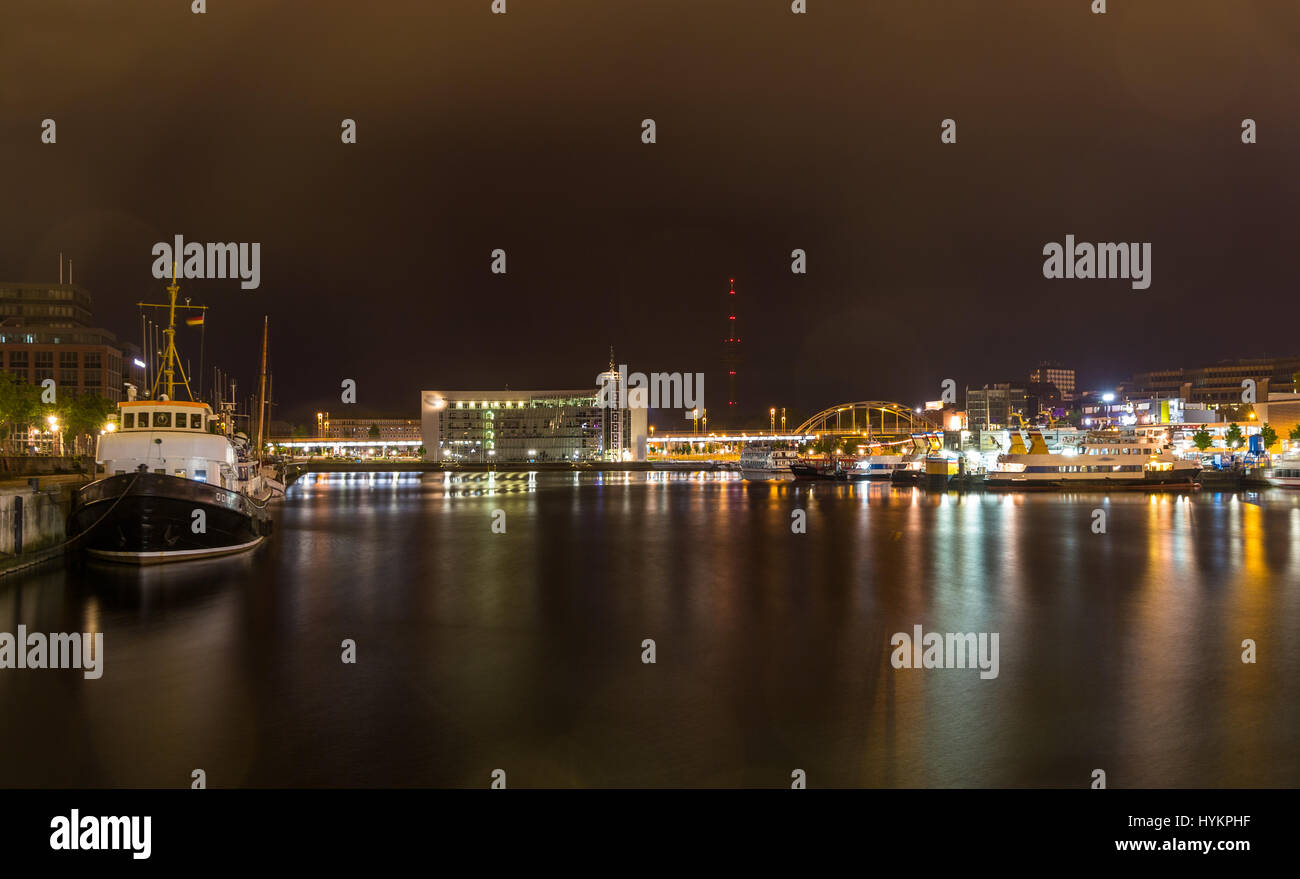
column 194, row 321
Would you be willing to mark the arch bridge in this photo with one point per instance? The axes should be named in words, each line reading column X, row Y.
column 869, row 418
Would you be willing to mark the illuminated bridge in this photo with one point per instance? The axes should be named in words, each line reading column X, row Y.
column 871, row 419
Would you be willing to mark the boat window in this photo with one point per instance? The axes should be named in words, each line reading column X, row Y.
column 162, row 470
column 119, row 472
column 162, row 419
column 180, row 473
column 144, row 419
column 128, row 420
column 201, row 475
column 180, row 419
column 196, row 421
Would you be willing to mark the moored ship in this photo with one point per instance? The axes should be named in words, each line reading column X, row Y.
column 1284, row 470
column 180, row 484
column 759, row 461
column 1101, row 460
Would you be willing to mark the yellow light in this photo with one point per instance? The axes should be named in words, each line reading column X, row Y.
column 53, row 421
column 110, row 427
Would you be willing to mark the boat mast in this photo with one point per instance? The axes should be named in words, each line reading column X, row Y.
column 261, row 401
column 172, row 360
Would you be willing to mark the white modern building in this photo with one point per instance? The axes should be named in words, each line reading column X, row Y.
column 484, row 427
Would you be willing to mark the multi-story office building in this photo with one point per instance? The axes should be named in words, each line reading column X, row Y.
column 390, row 429
column 1055, row 373
column 990, row 407
column 505, row 426
column 1220, row 384
column 46, row 332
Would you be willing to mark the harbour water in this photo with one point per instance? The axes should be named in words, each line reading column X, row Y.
column 522, row 650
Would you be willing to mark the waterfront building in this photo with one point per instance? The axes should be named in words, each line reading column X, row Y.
column 390, row 429
column 991, row 407
column 1280, row 411
column 1055, row 373
column 47, row 332
column 528, row 426
column 1219, row 384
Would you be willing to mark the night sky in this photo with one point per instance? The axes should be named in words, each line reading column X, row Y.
column 775, row 131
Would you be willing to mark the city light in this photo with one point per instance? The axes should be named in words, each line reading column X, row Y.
column 140, row 363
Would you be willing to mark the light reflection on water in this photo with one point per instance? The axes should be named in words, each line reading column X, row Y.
column 521, row 650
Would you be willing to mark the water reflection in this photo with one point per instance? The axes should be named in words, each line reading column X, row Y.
column 522, row 649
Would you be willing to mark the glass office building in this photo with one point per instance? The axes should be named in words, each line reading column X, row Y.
column 483, row 427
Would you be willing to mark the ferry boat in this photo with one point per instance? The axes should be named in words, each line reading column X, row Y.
column 911, row 467
column 180, row 483
column 759, row 461
column 1284, row 470
column 882, row 466
column 1100, row 460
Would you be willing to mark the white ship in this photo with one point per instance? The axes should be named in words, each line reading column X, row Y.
column 1100, row 460
column 759, row 461
column 1284, row 470
column 882, row 466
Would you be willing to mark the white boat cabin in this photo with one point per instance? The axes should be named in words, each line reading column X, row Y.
column 176, row 438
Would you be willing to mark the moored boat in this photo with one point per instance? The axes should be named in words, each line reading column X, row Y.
column 759, row 461
column 1284, row 470
column 180, row 483
column 1102, row 460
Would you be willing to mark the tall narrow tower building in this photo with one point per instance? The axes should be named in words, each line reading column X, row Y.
column 731, row 350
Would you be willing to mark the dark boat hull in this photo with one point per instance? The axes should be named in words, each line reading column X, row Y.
column 151, row 518
column 802, row 471
column 1158, row 481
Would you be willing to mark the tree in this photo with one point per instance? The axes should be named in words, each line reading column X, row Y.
column 373, row 433
column 1268, row 434
column 825, row 444
column 1295, row 431
column 1202, row 439
column 1233, row 436
column 20, row 404
column 84, row 415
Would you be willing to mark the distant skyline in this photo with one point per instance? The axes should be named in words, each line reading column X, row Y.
column 819, row 132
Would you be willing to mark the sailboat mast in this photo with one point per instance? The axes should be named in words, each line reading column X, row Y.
column 261, row 402
column 170, row 370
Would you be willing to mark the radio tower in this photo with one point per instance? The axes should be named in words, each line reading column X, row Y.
column 731, row 349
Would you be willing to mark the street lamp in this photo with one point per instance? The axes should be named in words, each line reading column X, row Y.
column 772, row 413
